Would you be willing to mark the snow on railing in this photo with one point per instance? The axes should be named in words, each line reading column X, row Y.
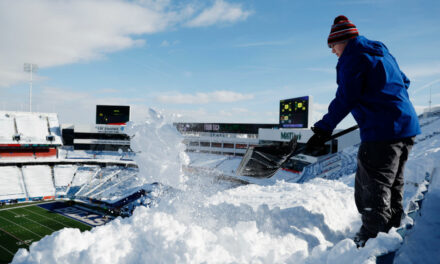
column 332, row 167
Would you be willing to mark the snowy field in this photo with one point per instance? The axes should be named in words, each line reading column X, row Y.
column 277, row 222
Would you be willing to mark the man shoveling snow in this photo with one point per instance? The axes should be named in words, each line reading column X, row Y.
column 373, row 88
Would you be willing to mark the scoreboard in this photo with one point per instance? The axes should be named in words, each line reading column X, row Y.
column 112, row 114
column 294, row 112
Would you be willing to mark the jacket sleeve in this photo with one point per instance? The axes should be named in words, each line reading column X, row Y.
column 406, row 81
column 350, row 79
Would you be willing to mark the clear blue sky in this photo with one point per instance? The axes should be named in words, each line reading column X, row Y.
column 205, row 61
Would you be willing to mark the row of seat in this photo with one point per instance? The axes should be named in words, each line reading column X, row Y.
column 33, row 182
column 29, row 128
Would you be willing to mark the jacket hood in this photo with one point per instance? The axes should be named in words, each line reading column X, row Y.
column 372, row 47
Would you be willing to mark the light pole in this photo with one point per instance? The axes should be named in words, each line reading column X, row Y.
column 29, row 67
column 430, row 99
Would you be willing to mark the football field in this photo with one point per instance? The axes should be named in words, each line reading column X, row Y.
column 22, row 225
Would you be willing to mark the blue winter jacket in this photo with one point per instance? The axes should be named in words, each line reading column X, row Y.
column 373, row 88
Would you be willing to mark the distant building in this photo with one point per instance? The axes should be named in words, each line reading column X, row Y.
column 235, row 138
column 220, row 138
column 431, row 111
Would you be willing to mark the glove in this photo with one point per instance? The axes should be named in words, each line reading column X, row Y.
column 319, row 138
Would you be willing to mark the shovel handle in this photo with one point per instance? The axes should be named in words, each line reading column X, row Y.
column 343, row 132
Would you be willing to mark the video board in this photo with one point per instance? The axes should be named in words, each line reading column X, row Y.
column 294, row 112
column 112, row 114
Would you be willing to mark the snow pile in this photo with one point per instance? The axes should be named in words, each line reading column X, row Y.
column 279, row 223
column 284, row 223
column 160, row 151
column 285, row 229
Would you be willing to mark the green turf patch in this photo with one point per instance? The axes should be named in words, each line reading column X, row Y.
column 29, row 203
column 20, row 226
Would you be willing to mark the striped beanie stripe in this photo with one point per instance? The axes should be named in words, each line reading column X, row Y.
column 342, row 29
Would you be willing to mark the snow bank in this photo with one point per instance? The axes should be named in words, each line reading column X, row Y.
column 192, row 230
column 283, row 223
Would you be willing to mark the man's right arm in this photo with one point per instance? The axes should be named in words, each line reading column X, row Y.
column 350, row 84
column 406, row 81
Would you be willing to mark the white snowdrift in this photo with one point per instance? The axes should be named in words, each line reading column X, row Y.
column 279, row 223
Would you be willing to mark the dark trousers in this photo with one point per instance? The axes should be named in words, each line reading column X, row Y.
column 379, row 183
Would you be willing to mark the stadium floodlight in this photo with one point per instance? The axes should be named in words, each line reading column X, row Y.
column 430, row 101
column 31, row 68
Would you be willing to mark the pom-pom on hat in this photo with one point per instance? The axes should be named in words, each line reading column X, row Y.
column 342, row 30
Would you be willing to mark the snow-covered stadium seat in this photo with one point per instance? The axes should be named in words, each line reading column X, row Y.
column 7, row 130
column 83, row 176
column 11, row 183
column 34, row 128
column 38, row 180
column 63, row 175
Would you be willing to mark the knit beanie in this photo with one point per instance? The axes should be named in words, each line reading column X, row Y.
column 342, row 29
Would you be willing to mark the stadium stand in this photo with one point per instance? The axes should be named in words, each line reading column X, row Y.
column 8, row 128
column 104, row 174
column 32, row 128
column 39, row 182
column 29, row 135
column 33, row 165
column 11, row 184
column 115, row 188
column 63, row 175
column 82, row 176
